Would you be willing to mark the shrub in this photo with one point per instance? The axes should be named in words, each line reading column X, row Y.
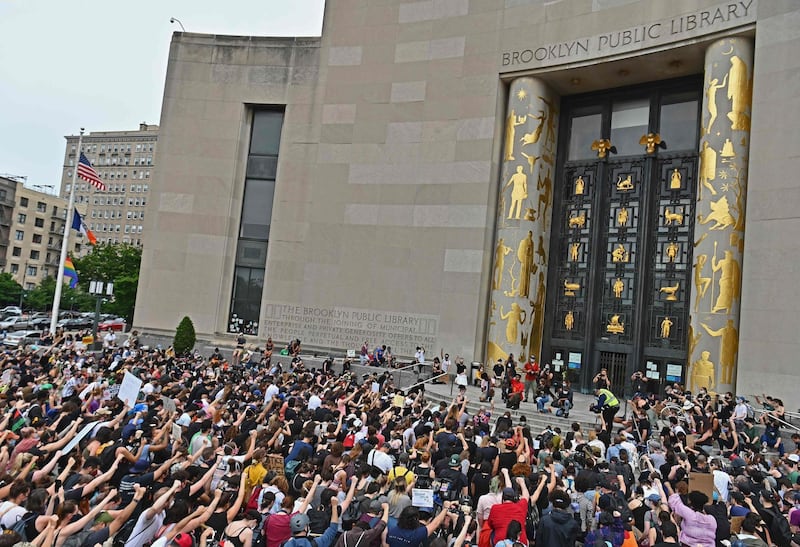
column 184, row 336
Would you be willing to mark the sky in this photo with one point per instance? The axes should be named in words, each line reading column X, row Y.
column 101, row 65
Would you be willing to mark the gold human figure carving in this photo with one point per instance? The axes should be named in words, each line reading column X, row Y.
column 511, row 128
column 515, row 316
column 623, row 185
column 700, row 283
column 552, row 116
column 525, row 257
column 569, row 320
column 540, row 252
column 576, row 221
column 500, row 253
column 537, row 319
column 618, row 287
column 579, row 186
column 720, row 215
column 675, row 180
column 650, row 141
column 728, row 347
column 533, row 138
column 711, row 99
column 530, row 214
column 739, row 92
column 622, row 216
column 670, row 217
column 666, row 325
column 571, row 288
column 693, row 339
column 727, row 150
column 545, row 187
column 574, row 251
column 672, row 251
column 708, row 170
column 531, row 161
column 702, row 375
column 601, row 146
column 729, row 280
column 518, row 193
column 671, row 292
column 512, row 289
column 615, row 326
column 620, row 254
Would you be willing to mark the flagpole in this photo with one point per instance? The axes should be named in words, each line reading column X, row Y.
column 65, row 240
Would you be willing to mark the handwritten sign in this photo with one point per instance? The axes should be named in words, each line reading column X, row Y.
column 422, row 497
column 129, row 389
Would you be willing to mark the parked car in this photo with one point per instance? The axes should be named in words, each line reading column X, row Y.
column 76, row 323
column 22, row 338
column 14, row 323
column 11, row 310
column 117, row 324
column 40, row 323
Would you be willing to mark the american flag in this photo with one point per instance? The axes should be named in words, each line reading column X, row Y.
column 87, row 173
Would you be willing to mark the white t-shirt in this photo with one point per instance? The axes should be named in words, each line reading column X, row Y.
column 314, row 402
column 13, row 513
column 271, row 390
column 722, row 482
column 145, row 529
column 381, row 460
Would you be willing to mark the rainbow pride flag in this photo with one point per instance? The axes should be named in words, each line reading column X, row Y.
column 70, row 273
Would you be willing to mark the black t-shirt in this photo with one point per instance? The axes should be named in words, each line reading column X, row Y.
column 481, row 482
column 486, row 454
column 498, row 369
column 507, row 460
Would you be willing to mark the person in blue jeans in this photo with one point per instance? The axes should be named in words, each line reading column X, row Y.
column 771, row 438
column 542, row 396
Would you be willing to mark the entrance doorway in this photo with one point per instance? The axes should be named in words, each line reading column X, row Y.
column 622, row 236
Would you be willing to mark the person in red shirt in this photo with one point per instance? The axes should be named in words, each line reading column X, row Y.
column 512, row 508
column 531, row 376
column 515, row 393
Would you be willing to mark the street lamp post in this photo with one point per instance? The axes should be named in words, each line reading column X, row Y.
column 96, row 289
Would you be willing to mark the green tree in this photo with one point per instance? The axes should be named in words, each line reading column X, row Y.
column 9, row 290
column 41, row 297
column 185, row 337
column 115, row 263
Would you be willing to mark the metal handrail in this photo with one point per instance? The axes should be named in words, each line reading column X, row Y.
column 432, row 378
column 784, row 422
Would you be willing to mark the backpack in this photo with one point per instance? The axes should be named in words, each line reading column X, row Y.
column 20, row 527
column 423, row 479
column 353, row 512
column 255, row 496
column 318, row 520
column 77, row 539
column 290, row 468
column 779, row 529
column 532, row 522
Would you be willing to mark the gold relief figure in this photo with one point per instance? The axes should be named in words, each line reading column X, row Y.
column 515, row 316
column 552, row 116
column 601, row 146
column 623, row 185
column 533, row 138
column 500, row 253
column 579, row 186
column 537, row 319
column 618, row 287
column 569, row 320
column 615, row 326
column 525, row 257
column 650, row 141
column 666, row 325
column 675, row 180
column 728, row 347
column 720, row 215
column 670, row 217
column 711, row 98
column 727, row 150
column 729, row 280
column 530, row 214
column 545, row 187
column 702, row 375
column 512, row 290
column 693, row 339
column 672, row 251
column 518, row 193
column 574, row 251
column 708, row 170
column 700, row 283
column 540, row 252
column 576, row 221
column 531, row 161
column 511, row 128
column 548, row 159
column 620, row 254
column 622, row 216
column 739, row 92
column 571, row 288
column 671, row 292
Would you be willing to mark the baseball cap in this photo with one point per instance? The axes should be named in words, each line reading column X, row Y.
column 455, row 460
column 655, row 498
column 183, row 540
column 509, row 494
column 793, row 458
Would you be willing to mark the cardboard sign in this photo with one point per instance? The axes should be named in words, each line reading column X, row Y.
column 422, row 497
column 169, row 404
column 77, row 438
column 702, row 482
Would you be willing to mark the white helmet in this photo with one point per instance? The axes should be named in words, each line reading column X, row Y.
column 357, row 423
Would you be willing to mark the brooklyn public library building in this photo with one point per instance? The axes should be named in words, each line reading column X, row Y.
column 598, row 183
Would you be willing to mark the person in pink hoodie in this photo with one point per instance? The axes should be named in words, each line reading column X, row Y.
column 697, row 528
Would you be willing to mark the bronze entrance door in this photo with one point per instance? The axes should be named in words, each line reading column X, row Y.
column 621, row 245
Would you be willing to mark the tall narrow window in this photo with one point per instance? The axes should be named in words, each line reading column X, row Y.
column 254, row 226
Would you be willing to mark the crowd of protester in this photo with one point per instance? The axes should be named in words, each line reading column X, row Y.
column 249, row 452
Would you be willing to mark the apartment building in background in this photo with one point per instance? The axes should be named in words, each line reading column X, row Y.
column 125, row 160
column 31, row 232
